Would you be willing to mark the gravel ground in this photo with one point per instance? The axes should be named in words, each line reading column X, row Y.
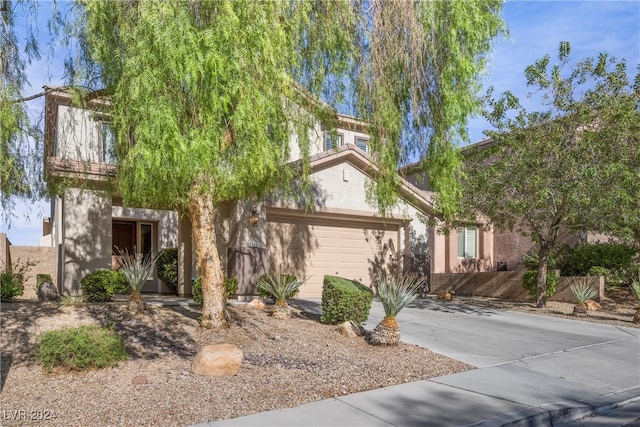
column 286, row 363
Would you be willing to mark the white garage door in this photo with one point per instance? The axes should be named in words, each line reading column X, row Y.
column 312, row 246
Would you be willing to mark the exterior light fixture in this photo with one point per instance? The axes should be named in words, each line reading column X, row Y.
column 254, row 217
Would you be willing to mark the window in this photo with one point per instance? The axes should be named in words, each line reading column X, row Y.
column 468, row 242
column 108, row 143
column 362, row 143
column 332, row 141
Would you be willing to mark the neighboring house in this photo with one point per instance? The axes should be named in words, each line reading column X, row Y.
column 478, row 247
column 343, row 235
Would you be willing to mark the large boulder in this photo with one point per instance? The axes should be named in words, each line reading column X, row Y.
column 217, row 360
column 48, row 292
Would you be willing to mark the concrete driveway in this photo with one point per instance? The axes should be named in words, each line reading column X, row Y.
column 532, row 370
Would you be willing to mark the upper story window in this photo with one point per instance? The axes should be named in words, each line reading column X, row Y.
column 468, row 242
column 362, row 143
column 333, row 141
column 108, row 142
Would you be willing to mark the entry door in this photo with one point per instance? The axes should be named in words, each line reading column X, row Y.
column 124, row 237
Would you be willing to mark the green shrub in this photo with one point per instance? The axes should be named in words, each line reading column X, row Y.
column 196, row 286
column 167, row 267
column 344, row 299
column 230, row 288
column 285, row 277
column 599, row 271
column 616, row 257
column 530, row 282
column 80, row 348
column 101, row 284
column 11, row 286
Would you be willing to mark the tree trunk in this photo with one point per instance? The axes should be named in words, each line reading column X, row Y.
column 203, row 213
column 541, row 286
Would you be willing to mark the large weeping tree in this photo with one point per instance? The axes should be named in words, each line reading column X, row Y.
column 20, row 137
column 205, row 95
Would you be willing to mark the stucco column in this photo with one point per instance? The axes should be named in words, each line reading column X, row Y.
column 185, row 256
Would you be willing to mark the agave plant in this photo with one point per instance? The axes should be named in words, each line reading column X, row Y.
column 582, row 292
column 395, row 294
column 279, row 287
column 136, row 271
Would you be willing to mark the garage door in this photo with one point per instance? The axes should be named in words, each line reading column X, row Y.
column 312, row 246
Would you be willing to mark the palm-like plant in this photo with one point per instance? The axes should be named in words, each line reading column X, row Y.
column 279, row 287
column 136, row 271
column 395, row 294
column 582, row 292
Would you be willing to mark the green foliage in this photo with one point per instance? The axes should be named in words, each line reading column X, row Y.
column 100, row 285
column 612, row 256
column 635, row 283
column 11, row 285
column 571, row 163
column 599, row 271
column 20, row 139
column 530, row 282
column 280, row 287
column 532, row 260
column 395, row 293
column 80, row 349
column 197, row 290
column 167, row 267
column 343, row 300
column 230, row 288
column 285, row 278
column 72, row 299
column 581, row 291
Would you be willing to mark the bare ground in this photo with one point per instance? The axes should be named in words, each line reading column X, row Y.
column 286, row 363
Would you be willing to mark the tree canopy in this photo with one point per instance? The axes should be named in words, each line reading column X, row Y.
column 574, row 164
column 20, row 138
column 206, row 95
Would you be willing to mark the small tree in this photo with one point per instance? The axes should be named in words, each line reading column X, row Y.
column 566, row 167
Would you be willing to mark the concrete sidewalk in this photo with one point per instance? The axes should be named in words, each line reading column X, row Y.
column 531, row 371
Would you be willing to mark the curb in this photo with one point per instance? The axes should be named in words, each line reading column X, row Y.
column 558, row 415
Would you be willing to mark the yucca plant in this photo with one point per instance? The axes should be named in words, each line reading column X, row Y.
column 136, row 271
column 279, row 287
column 582, row 292
column 394, row 294
column 635, row 288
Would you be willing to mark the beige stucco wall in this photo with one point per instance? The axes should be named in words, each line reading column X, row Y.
column 341, row 189
column 86, row 235
column 78, row 134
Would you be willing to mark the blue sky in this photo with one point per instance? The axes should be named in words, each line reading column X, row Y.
column 536, row 28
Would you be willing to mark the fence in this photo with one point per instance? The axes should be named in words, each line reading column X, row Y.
column 505, row 284
column 36, row 259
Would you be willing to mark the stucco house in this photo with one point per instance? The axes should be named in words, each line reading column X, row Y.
column 342, row 235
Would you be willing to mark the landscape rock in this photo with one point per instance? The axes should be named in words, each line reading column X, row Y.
column 592, row 305
column 446, row 295
column 217, row 360
column 139, row 380
column 48, row 292
column 351, row 329
column 256, row 304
